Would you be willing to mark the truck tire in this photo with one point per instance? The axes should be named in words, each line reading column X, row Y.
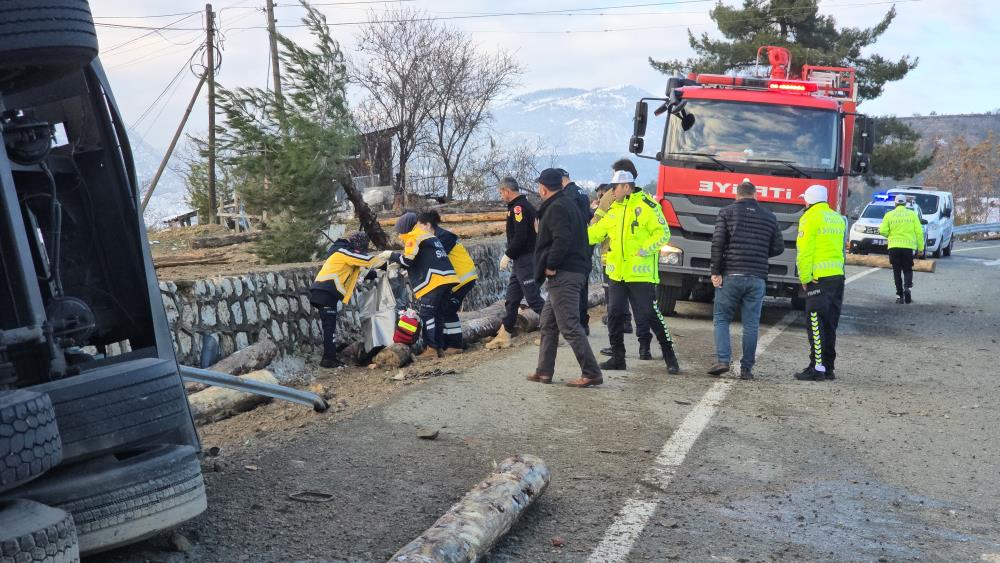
column 33, row 532
column 666, row 299
column 117, row 406
column 123, row 498
column 43, row 39
column 29, row 437
column 947, row 250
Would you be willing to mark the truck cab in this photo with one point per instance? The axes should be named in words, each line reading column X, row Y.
column 782, row 134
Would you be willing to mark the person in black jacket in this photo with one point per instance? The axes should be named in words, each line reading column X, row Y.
column 578, row 196
column 746, row 236
column 519, row 258
column 561, row 261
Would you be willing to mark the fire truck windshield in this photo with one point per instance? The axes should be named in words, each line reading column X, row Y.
column 755, row 135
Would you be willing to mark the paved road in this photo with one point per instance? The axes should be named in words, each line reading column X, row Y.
column 896, row 460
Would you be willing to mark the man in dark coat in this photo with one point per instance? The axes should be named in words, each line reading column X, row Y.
column 578, row 196
column 562, row 262
column 519, row 258
column 746, row 236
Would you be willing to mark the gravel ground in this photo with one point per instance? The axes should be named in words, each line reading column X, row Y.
column 896, row 460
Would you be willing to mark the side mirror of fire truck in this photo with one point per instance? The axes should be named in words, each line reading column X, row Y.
column 867, row 135
column 635, row 145
column 640, row 119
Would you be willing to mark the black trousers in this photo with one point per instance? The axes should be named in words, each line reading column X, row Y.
column 824, row 300
column 521, row 285
column 642, row 297
column 902, row 268
column 328, row 319
column 431, row 312
column 450, row 332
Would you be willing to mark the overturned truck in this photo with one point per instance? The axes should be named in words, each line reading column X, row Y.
column 97, row 445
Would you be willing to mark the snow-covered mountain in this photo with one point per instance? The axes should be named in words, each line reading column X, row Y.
column 169, row 198
column 584, row 131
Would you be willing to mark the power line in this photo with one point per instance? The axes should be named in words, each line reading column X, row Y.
column 173, row 80
column 146, row 16
column 147, row 34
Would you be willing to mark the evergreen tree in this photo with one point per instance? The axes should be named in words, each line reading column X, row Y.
column 897, row 152
column 293, row 155
column 812, row 39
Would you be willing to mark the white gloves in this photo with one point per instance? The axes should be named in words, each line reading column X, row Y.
column 385, row 255
column 504, row 263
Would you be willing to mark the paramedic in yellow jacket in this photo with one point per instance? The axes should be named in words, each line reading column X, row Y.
column 450, row 333
column 431, row 274
column 335, row 285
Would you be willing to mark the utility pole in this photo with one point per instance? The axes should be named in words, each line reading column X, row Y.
column 210, row 71
column 272, row 35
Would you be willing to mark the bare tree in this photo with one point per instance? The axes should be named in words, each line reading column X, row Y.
column 466, row 83
column 486, row 167
column 394, row 67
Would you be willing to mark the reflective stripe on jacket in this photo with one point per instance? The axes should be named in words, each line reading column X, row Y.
column 820, row 244
column 342, row 269
column 903, row 228
column 427, row 261
column 636, row 230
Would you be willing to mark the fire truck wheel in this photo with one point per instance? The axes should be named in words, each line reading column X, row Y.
column 666, row 299
column 117, row 407
column 29, row 437
column 33, row 532
column 43, row 39
column 120, row 499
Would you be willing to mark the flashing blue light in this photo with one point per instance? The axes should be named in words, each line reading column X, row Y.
column 881, row 196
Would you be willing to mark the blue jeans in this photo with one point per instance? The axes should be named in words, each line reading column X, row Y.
column 747, row 293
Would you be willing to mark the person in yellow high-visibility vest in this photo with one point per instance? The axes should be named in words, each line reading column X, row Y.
column 820, row 263
column 905, row 232
column 334, row 284
column 450, row 333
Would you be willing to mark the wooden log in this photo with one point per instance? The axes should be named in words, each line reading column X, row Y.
column 217, row 403
column 182, row 260
column 394, row 356
column 882, row 261
column 527, row 320
column 225, row 240
column 476, row 523
column 485, row 323
column 479, row 230
column 252, row 358
column 484, row 217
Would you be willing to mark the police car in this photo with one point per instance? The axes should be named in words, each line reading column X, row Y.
column 864, row 236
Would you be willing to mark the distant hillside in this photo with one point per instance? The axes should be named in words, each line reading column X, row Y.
column 935, row 128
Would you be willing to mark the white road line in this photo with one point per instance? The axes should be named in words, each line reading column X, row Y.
column 976, row 248
column 860, row 275
column 632, row 519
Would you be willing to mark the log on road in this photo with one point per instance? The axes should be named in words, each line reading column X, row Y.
column 217, row 403
column 481, row 324
column 882, row 261
column 474, row 524
column 527, row 320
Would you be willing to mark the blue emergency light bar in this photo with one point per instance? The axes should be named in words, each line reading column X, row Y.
column 881, row 196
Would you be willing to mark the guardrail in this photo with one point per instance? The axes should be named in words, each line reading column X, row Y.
column 977, row 228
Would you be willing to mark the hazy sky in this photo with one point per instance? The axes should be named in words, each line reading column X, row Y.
column 602, row 47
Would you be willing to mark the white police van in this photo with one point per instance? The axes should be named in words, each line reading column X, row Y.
column 938, row 209
column 864, row 234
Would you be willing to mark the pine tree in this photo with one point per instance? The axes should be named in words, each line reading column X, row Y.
column 816, row 40
column 294, row 155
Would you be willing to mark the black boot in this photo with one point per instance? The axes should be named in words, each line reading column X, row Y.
column 331, row 363
column 907, row 298
column 615, row 362
column 644, row 353
column 628, row 328
column 607, row 351
column 669, row 358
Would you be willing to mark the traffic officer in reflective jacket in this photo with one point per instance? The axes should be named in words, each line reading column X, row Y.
column 820, row 262
column 636, row 229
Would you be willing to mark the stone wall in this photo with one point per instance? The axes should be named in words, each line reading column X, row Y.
column 236, row 311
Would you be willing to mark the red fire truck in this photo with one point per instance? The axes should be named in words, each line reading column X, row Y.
column 783, row 133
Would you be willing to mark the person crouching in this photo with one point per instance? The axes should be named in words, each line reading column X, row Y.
column 335, row 284
column 432, row 277
column 465, row 270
